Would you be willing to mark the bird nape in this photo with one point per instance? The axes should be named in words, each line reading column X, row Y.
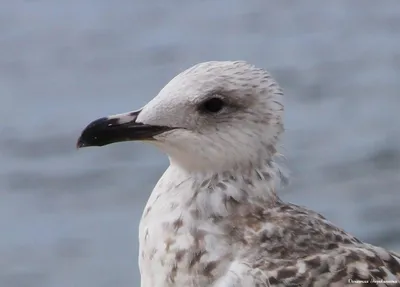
column 214, row 218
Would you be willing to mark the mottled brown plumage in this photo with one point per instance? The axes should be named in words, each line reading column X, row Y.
column 277, row 243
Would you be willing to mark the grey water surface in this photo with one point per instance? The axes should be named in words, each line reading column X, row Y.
column 70, row 218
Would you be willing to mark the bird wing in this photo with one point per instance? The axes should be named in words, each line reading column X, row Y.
column 288, row 245
column 346, row 266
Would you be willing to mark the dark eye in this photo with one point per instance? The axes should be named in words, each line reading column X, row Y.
column 213, row 105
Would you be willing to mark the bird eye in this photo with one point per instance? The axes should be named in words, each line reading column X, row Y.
column 213, row 105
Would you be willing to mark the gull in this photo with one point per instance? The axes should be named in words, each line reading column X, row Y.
column 214, row 218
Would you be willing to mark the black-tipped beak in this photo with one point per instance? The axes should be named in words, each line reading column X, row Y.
column 118, row 128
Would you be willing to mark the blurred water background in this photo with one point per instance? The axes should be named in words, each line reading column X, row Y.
column 70, row 218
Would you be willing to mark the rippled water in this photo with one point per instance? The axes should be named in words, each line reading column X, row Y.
column 70, row 218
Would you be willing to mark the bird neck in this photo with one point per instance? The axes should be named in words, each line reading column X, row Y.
column 234, row 191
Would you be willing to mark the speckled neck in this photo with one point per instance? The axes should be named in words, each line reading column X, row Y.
column 185, row 206
column 219, row 194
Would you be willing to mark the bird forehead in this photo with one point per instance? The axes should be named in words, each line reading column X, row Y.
column 182, row 92
column 237, row 81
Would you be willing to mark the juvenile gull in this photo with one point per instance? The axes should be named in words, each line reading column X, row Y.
column 214, row 218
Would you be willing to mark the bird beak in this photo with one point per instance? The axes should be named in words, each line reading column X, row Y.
column 118, row 128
